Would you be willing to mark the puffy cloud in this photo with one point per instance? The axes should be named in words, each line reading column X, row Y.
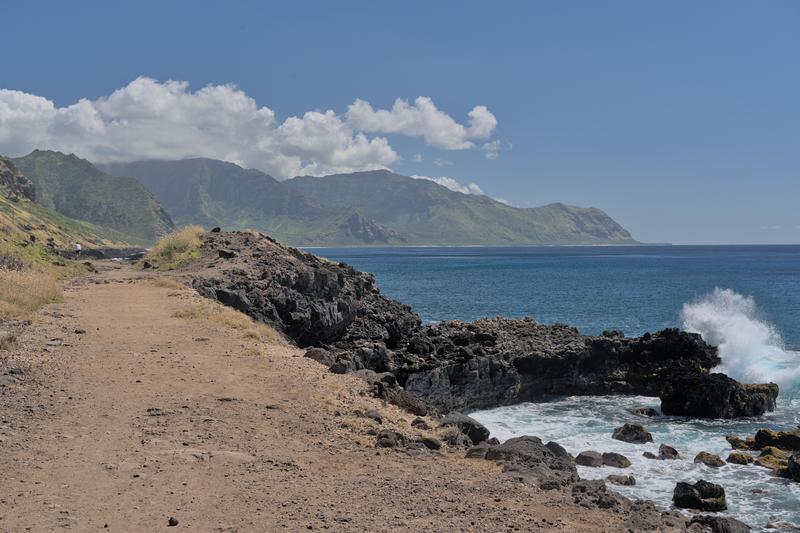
column 423, row 119
column 149, row 119
column 453, row 185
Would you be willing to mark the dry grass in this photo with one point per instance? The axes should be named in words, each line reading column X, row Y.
column 176, row 249
column 168, row 283
column 7, row 341
column 23, row 292
column 229, row 318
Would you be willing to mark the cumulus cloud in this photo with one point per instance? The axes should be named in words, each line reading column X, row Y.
column 453, row 185
column 151, row 119
column 423, row 119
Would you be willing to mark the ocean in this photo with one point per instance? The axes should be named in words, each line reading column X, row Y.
column 744, row 299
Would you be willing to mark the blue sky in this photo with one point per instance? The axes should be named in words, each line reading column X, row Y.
column 680, row 119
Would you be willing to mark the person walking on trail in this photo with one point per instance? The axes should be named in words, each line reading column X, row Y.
column 78, row 249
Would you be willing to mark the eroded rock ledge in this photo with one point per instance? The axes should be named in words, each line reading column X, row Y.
column 457, row 365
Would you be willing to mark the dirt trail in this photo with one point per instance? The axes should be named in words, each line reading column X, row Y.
column 136, row 416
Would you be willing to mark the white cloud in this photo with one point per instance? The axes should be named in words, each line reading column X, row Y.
column 149, row 119
column 418, row 157
column 423, row 119
column 491, row 150
column 439, row 162
column 452, row 184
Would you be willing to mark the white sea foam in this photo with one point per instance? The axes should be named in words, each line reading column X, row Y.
column 751, row 349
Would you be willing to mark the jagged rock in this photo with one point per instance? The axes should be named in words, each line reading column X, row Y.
column 793, row 464
column 782, row 526
column 448, row 366
column 478, row 451
column 616, row 460
column 594, row 494
column 739, row 458
column 432, row 443
column 649, row 455
column 539, row 461
column 374, row 415
column 456, row 439
column 420, row 423
column 741, row 444
column 709, row 459
column 627, row 481
column 778, row 464
column 632, row 433
column 668, row 453
column 645, row 411
column 589, row 458
column 720, row 524
column 389, row 439
column 703, row 496
column 701, row 395
column 476, row 431
column 785, row 440
column 557, row 449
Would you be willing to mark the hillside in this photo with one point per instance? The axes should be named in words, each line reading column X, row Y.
column 77, row 189
column 26, row 227
column 216, row 193
column 423, row 212
column 356, row 209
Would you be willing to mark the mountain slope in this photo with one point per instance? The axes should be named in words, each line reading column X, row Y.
column 355, row 209
column 424, row 212
column 216, row 193
column 29, row 231
column 79, row 190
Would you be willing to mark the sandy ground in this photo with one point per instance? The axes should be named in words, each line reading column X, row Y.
column 136, row 416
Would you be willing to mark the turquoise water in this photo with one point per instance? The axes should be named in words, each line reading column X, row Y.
column 744, row 299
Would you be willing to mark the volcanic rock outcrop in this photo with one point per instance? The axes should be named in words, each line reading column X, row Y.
column 349, row 325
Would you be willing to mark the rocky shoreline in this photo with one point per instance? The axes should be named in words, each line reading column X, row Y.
column 345, row 322
column 340, row 317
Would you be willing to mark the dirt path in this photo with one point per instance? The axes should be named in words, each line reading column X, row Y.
column 137, row 416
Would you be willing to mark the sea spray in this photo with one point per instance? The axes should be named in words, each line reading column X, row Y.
column 750, row 347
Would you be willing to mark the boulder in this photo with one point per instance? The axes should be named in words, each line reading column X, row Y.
column 645, row 411
column 627, row 481
column 709, row 459
column 389, row 439
column 785, row 440
column 720, row 524
column 616, row 460
column 778, row 465
column 793, row 465
column 739, row 458
column 632, row 433
column 701, row 395
column 476, row 431
column 589, row 458
column 668, row 453
column 478, row 451
column 432, row 443
column 538, row 460
column 594, row 494
column 703, row 496
column 741, row 444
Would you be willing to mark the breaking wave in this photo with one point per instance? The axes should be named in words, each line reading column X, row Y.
column 751, row 348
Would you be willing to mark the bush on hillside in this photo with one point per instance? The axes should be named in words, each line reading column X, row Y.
column 176, row 249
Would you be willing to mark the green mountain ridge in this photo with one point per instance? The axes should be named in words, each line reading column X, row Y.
column 28, row 230
column 362, row 208
column 78, row 190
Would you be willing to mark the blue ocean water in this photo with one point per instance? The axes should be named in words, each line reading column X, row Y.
column 744, row 299
column 635, row 289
